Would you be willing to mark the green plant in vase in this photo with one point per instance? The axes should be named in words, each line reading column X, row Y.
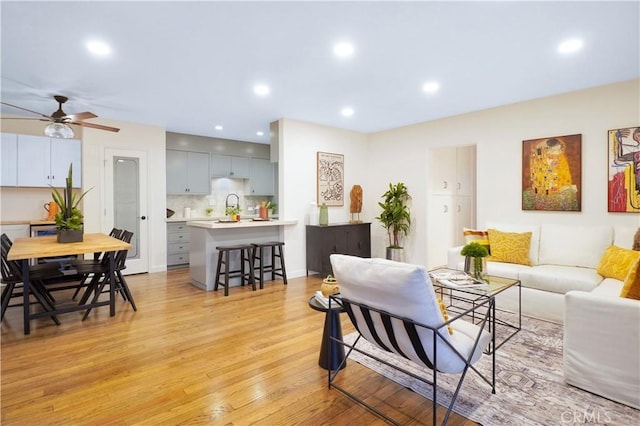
column 475, row 262
column 69, row 216
column 395, row 217
column 232, row 212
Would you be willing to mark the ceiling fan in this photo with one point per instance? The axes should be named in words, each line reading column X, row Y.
column 59, row 126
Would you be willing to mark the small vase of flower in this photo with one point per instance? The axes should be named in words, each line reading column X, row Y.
column 475, row 261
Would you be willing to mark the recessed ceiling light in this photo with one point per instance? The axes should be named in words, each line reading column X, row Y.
column 431, row 87
column 261, row 89
column 98, row 48
column 347, row 111
column 218, row 127
column 343, row 49
column 570, row 46
column 259, row 133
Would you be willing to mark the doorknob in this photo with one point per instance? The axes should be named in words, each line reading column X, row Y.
column 142, row 217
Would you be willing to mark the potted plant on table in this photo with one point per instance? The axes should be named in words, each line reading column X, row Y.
column 475, row 261
column 69, row 219
column 395, row 218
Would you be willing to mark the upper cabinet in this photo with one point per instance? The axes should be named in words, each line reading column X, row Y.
column 261, row 177
column 230, row 166
column 452, row 171
column 38, row 161
column 188, row 172
column 9, row 159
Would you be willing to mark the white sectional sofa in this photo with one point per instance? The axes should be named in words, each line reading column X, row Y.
column 602, row 330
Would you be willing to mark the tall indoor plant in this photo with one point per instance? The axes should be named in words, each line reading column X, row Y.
column 395, row 217
column 69, row 219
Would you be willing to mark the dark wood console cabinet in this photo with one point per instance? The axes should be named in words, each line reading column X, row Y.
column 343, row 238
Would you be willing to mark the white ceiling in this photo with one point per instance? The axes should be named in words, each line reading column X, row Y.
column 188, row 66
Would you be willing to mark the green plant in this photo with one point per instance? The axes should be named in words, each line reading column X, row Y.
column 395, row 216
column 230, row 211
column 474, row 249
column 69, row 216
column 330, row 279
column 209, row 210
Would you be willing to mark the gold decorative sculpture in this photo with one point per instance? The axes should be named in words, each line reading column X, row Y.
column 356, row 204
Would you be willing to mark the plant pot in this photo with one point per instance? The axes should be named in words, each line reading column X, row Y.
column 69, row 235
column 395, row 254
column 329, row 287
column 476, row 267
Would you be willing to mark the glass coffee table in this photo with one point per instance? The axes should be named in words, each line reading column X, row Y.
column 458, row 297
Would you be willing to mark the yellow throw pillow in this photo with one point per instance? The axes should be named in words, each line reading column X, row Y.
column 445, row 315
column 631, row 287
column 616, row 262
column 510, row 247
column 475, row 235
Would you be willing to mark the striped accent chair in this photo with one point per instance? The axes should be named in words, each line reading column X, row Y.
column 394, row 307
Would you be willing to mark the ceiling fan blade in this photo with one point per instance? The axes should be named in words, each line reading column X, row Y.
column 80, row 116
column 95, row 126
column 28, row 110
column 25, row 118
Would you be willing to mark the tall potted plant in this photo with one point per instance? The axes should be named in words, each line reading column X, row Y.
column 395, row 218
column 69, row 219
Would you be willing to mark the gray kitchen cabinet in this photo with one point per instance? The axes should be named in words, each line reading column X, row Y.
column 230, row 166
column 188, row 172
column 177, row 244
column 261, row 177
column 9, row 159
column 44, row 161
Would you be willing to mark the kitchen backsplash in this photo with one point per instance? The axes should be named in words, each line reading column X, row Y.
column 220, row 189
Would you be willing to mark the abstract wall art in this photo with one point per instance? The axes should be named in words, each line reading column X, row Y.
column 624, row 170
column 330, row 179
column 552, row 173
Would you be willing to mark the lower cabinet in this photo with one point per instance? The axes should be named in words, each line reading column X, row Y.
column 323, row 241
column 177, row 244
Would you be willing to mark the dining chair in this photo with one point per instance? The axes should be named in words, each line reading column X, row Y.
column 98, row 258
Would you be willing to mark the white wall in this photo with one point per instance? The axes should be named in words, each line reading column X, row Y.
column 400, row 155
column 137, row 137
column 298, row 144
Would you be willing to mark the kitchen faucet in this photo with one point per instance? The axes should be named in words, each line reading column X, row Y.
column 237, row 204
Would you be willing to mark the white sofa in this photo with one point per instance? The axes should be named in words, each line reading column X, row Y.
column 602, row 330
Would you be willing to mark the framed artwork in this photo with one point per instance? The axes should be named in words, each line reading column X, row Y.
column 624, row 170
column 552, row 174
column 330, row 185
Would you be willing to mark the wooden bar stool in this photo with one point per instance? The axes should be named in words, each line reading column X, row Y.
column 261, row 268
column 246, row 255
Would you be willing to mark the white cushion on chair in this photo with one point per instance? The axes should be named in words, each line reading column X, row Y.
column 405, row 290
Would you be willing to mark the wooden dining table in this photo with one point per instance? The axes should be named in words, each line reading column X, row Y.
column 24, row 249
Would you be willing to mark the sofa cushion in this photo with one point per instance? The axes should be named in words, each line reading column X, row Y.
column 510, row 247
column 535, row 236
column 560, row 279
column 631, row 287
column 478, row 236
column 506, row 270
column 609, row 287
column 616, row 262
column 574, row 245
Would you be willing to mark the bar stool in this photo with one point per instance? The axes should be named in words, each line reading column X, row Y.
column 246, row 255
column 276, row 252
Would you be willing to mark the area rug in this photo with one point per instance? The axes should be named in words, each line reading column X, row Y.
column 530, row 389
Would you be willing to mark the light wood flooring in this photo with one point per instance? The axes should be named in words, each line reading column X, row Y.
column 189, row 357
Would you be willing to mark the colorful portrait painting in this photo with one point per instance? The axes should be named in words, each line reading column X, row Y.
column 624, row 170
column 330, row 179
column 552, row 173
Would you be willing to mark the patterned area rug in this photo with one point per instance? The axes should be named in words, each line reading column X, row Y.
column 530, row 389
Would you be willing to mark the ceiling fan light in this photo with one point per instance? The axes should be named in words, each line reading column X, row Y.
column 59, row 130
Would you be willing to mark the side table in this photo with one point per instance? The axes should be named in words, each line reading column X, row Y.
column 331, row 356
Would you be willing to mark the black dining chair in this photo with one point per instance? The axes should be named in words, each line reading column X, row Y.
column 88, row 264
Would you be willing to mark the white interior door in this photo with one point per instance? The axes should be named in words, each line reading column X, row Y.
column 125, row 178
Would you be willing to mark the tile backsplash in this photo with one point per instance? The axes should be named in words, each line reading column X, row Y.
column 220, row 189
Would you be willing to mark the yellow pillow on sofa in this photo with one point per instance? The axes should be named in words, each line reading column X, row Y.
column 616, row 262
column 631, row 287
column 510, row 247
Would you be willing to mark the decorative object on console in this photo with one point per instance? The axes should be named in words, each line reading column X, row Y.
column 624, row 170
column 330, row 178
column 356, row 203
column 510, row 247
column 552, row 174
column 329, row 286
column 475, row 262
column 323, row 218
column 69, row 220
column 395, row 217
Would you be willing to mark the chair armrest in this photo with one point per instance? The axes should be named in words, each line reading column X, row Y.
column 454, row 258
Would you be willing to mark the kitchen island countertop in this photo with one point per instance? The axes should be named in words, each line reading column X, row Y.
column 212, row 224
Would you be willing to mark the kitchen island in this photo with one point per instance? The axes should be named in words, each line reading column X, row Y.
column 206, row 235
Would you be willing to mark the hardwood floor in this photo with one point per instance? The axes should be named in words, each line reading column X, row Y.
column 189, row 357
